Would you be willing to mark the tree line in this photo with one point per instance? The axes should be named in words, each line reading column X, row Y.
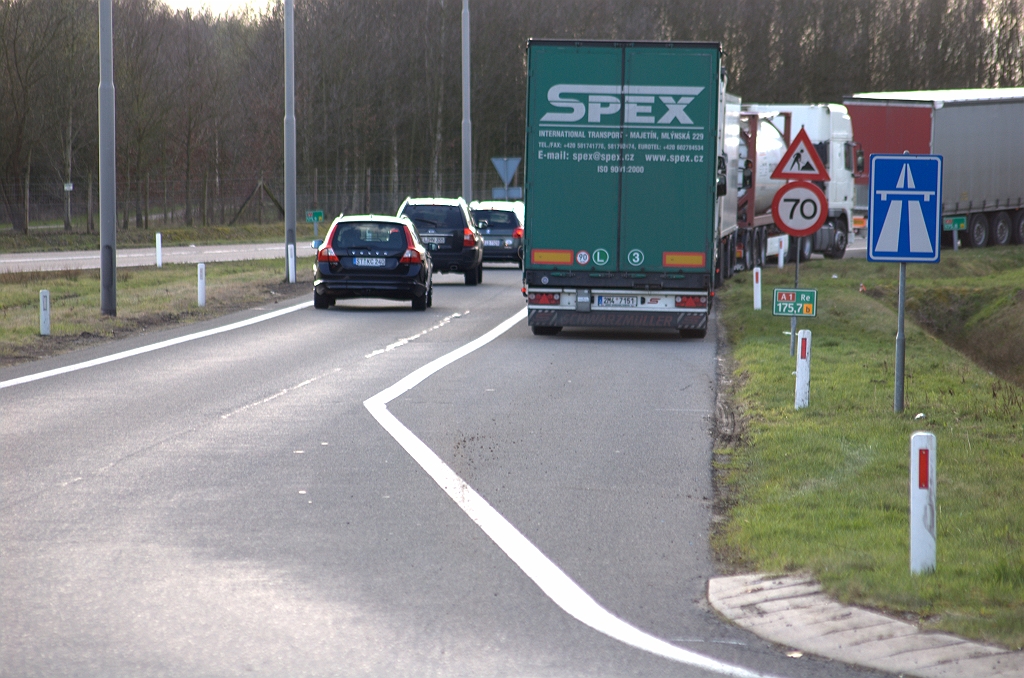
column 200, row 101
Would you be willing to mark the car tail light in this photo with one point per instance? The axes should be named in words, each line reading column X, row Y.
column 545, row 298
column 468, row 238
column 327, row 254
column 518, row 233
column 691, row 301
column 411, row 256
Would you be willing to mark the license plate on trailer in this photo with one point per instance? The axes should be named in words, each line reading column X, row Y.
column 492, row 243
column 433, row 239
column 617, row 302
column 369, row 261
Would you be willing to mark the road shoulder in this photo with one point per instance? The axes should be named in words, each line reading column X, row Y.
column 793, row 611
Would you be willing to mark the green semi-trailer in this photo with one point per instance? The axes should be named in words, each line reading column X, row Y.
column 625, row 174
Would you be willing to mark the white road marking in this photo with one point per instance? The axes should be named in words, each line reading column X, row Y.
column 402, row 342
column 557, row 585
column 151, row 347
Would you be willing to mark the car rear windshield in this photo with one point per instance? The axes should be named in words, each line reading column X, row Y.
column 448, row 217
column 369, row 235
column 496, row 218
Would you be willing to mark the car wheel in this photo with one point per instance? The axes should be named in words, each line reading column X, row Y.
column 1018, row 227
column 419, row 303
column 321, row 301
column 480, row 274
column 1002, row 227
column 977, row 231
column 545, row 330
column 430, row 296
column 472, row 276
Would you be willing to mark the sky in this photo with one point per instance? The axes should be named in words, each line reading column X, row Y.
column 218, row 7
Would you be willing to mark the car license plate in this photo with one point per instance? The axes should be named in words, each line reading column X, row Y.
column 617, row 302
column 492, row 243
column 433, row 239
column 368, row 261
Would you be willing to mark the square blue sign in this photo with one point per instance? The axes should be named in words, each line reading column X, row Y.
column 905, row 210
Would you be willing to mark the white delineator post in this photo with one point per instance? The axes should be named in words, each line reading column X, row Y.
column 291, row 262
column 922, row 502
column 757, row 288
column 159, row 251
column 783, row 246
column 202, row 284
column 44, row 313
column 803, row 368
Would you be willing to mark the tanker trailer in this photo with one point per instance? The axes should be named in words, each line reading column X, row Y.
column 765, row 133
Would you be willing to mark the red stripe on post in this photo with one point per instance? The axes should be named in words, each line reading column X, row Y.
column 803, row 349
column 922, row 469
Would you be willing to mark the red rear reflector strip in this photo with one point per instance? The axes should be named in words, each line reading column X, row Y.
column 922, row 469
column 683, row 259
column 545, row 298
column 691, row 301
column 554, row 257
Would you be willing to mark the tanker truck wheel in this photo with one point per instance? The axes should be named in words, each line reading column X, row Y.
column 729, row 262
column 748, row 250
column 841, row 240
column 1002, row 226
column 762, row 247
column 977, row 231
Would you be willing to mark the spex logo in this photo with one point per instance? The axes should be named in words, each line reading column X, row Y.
column 595, row 101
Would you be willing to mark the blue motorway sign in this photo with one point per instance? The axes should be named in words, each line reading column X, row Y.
column 905, row 210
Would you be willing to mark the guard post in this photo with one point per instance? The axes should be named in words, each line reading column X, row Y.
column 922, row 502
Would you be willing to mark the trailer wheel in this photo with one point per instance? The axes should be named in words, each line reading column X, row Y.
column 1002, row 226
column 545, row 330
column 729, row 261
column 977, row 231
column 748, row 250
column 1018, row 227
column 762, row 247
column 720, row 265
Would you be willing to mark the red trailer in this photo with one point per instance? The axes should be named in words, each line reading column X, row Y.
column 979, row 133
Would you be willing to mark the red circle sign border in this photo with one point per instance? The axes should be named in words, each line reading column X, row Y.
column 822, row 212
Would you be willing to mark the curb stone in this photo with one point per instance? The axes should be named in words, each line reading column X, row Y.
column 793, row 611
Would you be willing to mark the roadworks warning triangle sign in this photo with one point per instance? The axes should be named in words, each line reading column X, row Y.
column 801, row 161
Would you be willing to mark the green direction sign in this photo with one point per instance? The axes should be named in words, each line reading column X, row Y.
column 313, row 216
column 803, row 303
column 954, row 223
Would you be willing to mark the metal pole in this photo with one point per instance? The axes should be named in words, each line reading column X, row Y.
column 289, row 136
column 901, row 342
column 108, row 165
column 796, row 284
column 467, row 125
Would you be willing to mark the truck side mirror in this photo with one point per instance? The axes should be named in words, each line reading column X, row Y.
column 721, row 183
column 748, row 174
column 316, row 244
column 860, row 160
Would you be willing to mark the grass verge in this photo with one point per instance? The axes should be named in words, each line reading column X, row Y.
column 147, row 298
column 825, row 489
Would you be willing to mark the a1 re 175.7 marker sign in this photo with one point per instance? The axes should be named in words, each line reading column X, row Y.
column 795, row 302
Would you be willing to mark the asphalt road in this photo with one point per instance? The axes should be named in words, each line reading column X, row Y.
column 228, row 505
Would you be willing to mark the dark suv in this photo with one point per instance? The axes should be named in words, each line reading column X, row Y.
column 372, row 256
column 448, row 231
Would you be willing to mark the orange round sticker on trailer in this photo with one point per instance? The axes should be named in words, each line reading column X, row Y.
column 553, row 257
column 683, row 259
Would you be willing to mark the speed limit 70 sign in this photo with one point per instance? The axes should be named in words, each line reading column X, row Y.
column 799, row 208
